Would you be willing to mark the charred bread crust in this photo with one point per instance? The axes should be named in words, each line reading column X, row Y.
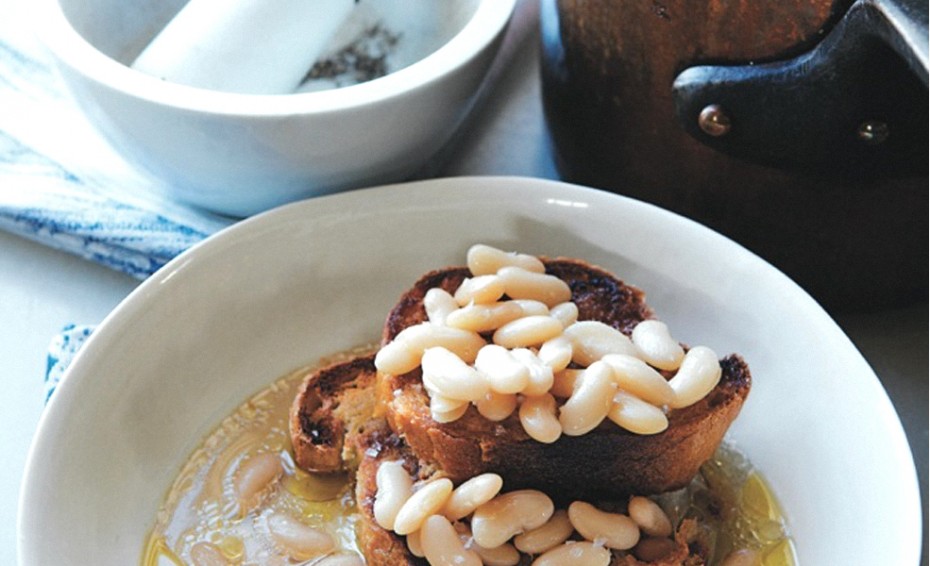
column 598, row 294
column 333, row 427
column 379, row 546
column 607, row 461
column 333, row 405
column 687, row 549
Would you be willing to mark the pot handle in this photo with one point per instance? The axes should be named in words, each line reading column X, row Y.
column 855, row 105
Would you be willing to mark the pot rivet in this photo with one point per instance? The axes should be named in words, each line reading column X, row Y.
column 873, row 132
column 713, row 121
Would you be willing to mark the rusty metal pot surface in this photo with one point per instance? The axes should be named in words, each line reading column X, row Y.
column 798, row 128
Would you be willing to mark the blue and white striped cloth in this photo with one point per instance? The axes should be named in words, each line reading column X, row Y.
column 62, row 185
column 61, row 351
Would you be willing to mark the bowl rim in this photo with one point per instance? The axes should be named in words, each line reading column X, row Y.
column 71, row 49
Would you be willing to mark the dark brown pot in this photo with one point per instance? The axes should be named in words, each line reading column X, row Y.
column 853, row 241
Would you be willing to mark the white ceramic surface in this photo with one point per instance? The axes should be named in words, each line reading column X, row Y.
column 239, row 154
column 283, row 288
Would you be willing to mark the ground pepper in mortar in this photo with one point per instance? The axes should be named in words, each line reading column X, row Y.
column 362, row 60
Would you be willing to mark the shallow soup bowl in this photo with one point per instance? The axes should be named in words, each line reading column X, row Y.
column 282, row 289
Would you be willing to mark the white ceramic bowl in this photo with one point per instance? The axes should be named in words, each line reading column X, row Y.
column 282, row 289
column 239, row 153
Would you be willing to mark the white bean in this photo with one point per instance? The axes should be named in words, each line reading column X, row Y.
column 556, row 353
column 449, row 416
column 527, row 331
column 540, row 374
column 498, row 520
column 503, row 555
column 698, row 375
column 438, row 304
column 635, row 415
column 341, row 559
column 471, row 494
column 446, row 374
column 496, row 406
column 397, row 358
column 590, row 401
column 483, row 259
column 635, row 376
column 394, row 488
column 206, row 554
column 563, row 382
column 442, row 404
column 414, row 544
column 537, row 415
column 522, row 284
column 403, row 354
column 300, row 541
column 553, row 533
column 442, row 545
column 444, row 410
column 573, row 553
column 483, row 289
column 649, row 516
column 656, row 346
column 566, row 313
column 426, row 501
column 613, row 530
column 592, row 340
column 254, row 477
column 484, row 318
column 531, row 307
column 503, row 372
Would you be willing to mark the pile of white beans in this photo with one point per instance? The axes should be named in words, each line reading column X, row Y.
column 535, row 336
column 474, row 524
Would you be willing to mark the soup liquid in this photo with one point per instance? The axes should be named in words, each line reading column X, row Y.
column 735, row 509
column 733, row 504
column 202, row 506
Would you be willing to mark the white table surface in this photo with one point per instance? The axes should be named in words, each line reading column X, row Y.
column 42, row 290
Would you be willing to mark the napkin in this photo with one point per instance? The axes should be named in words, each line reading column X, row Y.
column 62, row 185
column 61, row 351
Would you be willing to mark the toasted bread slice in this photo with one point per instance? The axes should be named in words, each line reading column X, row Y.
column 607, row 461
column 382, row 547
column 334, row 404
column 334, row 428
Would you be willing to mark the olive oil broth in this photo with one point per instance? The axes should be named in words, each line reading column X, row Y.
column 202, row 522
column 202, row 508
